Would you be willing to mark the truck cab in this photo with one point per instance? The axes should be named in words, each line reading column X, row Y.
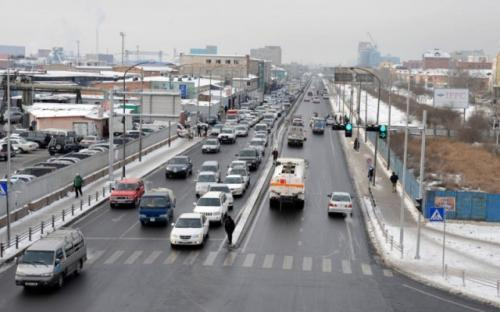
column 296, row 136
column 157, row 206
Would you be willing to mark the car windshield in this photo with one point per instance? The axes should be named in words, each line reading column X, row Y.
column 233, row 180
column 260, row 127
column 208, row 201
column 247, row 153
column 206, row 178
column 178, row 161
column 223, row 189
column 241, row 128
column 188, row 223
column 211, row 142
column 257, row 143
column 209, row 168
column 126, row 186
column 341, row 198
column 319, row 123
column 38, row 257
column 240, row 171
column 155, row 201
column 226, row 130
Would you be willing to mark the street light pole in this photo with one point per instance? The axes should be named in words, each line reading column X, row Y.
column 122, row 34
column 403, row 184
column 389, row 127
column 8, row 157
column 421, row 186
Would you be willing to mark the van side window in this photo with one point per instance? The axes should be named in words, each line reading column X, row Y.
column 59, row 254
column 69, row 249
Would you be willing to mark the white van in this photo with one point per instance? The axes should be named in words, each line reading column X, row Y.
column 51, row 259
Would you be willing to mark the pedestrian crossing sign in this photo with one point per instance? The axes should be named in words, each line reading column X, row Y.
column 436, row 214
column 3, row 188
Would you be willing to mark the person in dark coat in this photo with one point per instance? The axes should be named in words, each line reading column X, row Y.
column 394, row 180
column 275, row 154
column 77, row 185
column 198, row 127
column 371, row 171
column 229, row 227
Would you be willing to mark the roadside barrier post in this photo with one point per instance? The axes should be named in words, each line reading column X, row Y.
column 89, row 199
column 42, row 225
column 1, row 250
column 17, row 241
column 72, row 209
column 96, row 195
column 463, row 278
column 103, row 191
column 63, row 212
column 29, row 233
column 81, row 204
column 53, row 222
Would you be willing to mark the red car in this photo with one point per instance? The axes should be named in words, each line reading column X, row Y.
column 127, row 192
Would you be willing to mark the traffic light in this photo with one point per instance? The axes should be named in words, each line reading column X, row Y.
column 418, row 204
column 382, row 131
column 348, row 130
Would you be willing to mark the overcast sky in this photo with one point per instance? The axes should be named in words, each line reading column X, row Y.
column 309, row 31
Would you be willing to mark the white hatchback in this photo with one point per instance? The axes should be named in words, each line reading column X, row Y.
column 189, row 229
column 340, row 202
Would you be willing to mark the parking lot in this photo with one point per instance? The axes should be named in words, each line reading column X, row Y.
column 23, row 160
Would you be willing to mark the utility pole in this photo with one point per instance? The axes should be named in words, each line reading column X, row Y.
column 111, row 159
column 422, row 179
column 403, row 184
column 78, row 52
column 366, row 113
column 8, row 157
column 140, row 116
column 358, row 111
column 389, row 126
column 122, row 34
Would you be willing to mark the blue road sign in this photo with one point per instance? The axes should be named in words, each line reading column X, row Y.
column 3, row 188
column 436, row 214
column 184, row 91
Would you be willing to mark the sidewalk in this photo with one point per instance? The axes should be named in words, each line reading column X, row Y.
column 92, row 193
column 472, row 265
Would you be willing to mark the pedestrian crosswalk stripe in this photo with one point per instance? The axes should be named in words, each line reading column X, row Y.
column 152, row 257
column 387, row 273
column 248, row 262
column 367, row 270
column 93, row 256
column 230, row 257
column 307, row 264
column 117, row 254
column 287, row 263
column 346, row 267
column 268, row 262
column 327, row 265
column 191, row 258
column 133, row 257
column 171, row 257
column 209, row 261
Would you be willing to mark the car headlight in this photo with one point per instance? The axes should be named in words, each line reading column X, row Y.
column 163, row 216
column 174, row 236
column 46, row 274
column 142, row 216
column 198, row 236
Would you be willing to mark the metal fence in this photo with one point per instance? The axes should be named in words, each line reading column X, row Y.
column 412, row 186
column 22, row 194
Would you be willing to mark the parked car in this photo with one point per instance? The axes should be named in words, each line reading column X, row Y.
column 43, row 139
column 55, row 164
column 77, row 155
column 36, row 171
column 89, row 140
column 214, row 205
column 3, row 151
column 63, row 144
column 179, row 166
column 126, row 192
column 22, row 145
column 15, row 115
column 189, row 229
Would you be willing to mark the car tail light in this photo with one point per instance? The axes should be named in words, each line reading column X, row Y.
column 349, row 206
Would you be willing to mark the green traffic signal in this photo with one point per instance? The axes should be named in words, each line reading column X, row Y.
column 382, row 132
column 348, row 127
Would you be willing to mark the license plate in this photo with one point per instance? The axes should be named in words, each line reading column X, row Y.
column 31, row 284
column 152, row 219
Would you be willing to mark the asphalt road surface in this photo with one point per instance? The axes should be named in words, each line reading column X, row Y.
column 290, row 260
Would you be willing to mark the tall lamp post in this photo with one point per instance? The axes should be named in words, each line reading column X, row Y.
column 124, row 117
column 378, row 113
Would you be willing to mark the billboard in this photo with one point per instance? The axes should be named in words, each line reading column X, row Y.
column 451, row 98
column 447, row 202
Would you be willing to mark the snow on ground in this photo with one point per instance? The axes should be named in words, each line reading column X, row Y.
column 483, row 231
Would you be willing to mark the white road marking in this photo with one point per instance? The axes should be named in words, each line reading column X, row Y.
column 129, row 229
column 152, row 257
column 92, row 257
column 387, row 273
column 230, row 258
column 346, row 267
column 442, row 299
column 349, row 235
column 268, row 262
column 133, row 257
column 117, row 254
column 366, row 269
column 171, row 257
column 191, row 258
column 287, row 263
column 117, row 219
column 249, row 259
column 327, row 265
column 209, row 261
column 307, row 264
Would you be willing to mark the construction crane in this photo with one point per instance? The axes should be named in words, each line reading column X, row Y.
column 371, row 38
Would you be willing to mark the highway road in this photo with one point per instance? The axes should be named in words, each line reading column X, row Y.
column 290, row 260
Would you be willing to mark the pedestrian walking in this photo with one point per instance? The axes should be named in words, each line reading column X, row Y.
column 370, row 173
column 275, row 154
column 205, row 130
column 77, row 185
column 229, row 227
column 356, row 144
column 198, row 127
column 394, row 180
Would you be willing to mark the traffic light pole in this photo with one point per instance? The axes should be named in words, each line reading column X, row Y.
column 358, row 111
column 421, row 186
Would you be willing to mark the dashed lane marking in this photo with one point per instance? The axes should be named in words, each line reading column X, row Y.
column 268, row 262
column 209, row 261
column 133, row 257
column 249, row 259
column 152, row 257
column 171, row 257
column 112, row 259
column 230, row 258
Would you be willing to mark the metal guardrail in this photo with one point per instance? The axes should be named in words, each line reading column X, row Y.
column 51, row 224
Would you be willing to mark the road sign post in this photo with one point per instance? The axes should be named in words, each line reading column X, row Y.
column 439, row 215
